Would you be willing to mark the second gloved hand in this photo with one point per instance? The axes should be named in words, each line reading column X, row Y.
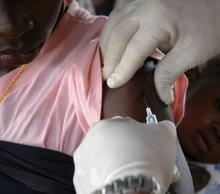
column 120, row 147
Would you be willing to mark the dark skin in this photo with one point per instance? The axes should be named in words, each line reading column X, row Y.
column 200, row 137
column 25, row 25
column 134, row 96
column 129, row 100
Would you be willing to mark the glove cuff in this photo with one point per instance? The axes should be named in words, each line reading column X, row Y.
column 132, row 184
column 136, row 169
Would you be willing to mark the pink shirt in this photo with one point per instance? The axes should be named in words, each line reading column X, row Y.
column 59, row 95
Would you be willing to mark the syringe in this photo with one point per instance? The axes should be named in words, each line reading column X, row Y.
column 151, row 118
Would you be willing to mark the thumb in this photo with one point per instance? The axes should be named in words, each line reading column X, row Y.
column 180, row 59
column 143, row 43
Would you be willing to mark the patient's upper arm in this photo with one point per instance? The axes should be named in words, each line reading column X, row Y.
column 130, row 99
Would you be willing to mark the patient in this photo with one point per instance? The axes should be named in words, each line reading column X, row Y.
column 57, row 93
column 128, row 100
column 199, row 131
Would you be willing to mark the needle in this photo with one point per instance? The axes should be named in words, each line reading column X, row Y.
column 151, row 118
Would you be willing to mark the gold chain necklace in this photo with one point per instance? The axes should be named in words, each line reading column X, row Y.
column 13, row 82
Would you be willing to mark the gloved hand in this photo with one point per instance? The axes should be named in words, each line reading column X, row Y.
column 133, row 32
column 119, row 147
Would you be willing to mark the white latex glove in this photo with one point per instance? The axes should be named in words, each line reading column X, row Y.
column 119, row 147
column 133, row 32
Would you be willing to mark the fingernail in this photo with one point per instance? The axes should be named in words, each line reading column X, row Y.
column 176, row 174
column 104, row 73
column 117, row 117
column 111, row 81
column 170, row 97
